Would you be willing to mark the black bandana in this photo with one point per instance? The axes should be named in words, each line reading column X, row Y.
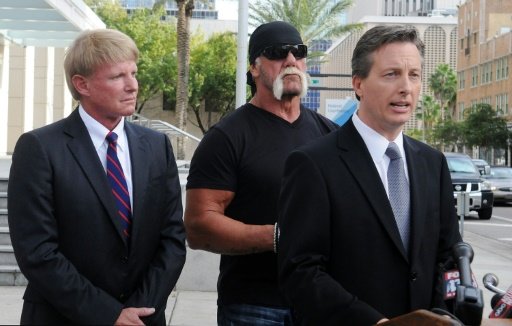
column 274, row 33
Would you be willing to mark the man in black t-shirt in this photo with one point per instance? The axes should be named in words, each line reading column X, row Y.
column 234, row 180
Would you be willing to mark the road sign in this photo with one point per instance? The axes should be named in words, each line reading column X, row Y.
column 314, row 81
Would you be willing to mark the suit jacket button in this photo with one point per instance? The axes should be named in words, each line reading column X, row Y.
column 414, row 276
column 124, row 259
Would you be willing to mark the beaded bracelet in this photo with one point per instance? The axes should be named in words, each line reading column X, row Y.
column 277, row 233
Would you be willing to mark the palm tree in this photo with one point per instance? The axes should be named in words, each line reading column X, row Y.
column 443, row 83
column 314, row 19
column 183, row 48
column 429, row 115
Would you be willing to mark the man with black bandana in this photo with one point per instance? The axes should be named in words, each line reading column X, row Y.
column 234, row 180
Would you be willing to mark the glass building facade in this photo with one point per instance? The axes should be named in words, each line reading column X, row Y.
column 312, row 99
column 202, row 9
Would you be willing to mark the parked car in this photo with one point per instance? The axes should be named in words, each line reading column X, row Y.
column 483, row 167
column 500, row 179
column 466, row 178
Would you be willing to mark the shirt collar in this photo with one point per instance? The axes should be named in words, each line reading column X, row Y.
column 375, row 142
column 98, row 132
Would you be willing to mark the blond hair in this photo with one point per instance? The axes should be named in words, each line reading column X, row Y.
column 93, row 48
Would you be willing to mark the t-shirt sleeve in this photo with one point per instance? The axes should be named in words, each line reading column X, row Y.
column 214, row 163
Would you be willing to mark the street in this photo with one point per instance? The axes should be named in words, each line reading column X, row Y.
column 498, row 228
column 491, row 238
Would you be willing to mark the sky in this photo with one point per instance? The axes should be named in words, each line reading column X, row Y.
column 228, row 9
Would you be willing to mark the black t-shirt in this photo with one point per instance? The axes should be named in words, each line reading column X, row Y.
column 245, row 153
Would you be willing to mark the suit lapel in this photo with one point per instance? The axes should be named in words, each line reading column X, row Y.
column 85, row 154
column 140, row 173
column 415, row 165
column 357, row 158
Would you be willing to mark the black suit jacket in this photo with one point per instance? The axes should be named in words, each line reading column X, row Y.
column 341, row 259
column 66, row 233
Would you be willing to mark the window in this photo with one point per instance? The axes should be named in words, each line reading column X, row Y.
column 485, row 100
column 502, row 104
column 486, row 73
column 505, row 103
column 461, row 77
column 474, row 76
column 502, row 68
column 461, row 111
column 498, row 69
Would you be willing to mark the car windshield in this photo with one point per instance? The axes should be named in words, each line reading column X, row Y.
column 461, row 165
column 501, row 173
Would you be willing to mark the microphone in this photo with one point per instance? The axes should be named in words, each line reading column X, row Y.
column 469, row 303
column 503, row 307
column 495, row 299
column 491, row 283
column 463, row 255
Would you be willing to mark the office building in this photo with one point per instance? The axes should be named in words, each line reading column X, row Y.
column 402, row 8
column 484, row 55
column 202, row 9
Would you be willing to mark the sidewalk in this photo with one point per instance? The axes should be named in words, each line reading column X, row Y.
column 184, row 308
column 198, row 308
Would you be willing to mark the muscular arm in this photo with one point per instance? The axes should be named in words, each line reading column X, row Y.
column 209, row 229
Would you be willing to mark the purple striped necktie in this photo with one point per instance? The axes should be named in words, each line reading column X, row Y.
column 117, row 181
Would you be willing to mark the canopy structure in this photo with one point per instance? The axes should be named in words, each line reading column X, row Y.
column 45, row 23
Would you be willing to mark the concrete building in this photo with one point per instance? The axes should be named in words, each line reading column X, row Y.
column 438, row 33
column 33, row 38
column 202, row 9
column 484, row 54
column 400, row 8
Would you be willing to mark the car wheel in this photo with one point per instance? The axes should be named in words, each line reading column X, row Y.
column 485, row 213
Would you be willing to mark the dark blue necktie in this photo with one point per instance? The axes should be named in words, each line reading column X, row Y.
column 398, row 188
column 117, row 181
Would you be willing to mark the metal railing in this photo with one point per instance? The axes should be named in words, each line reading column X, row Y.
column 171, row 131
column 161, row 126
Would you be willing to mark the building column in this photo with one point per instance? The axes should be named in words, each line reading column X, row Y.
column 21, row 93
column 62, row 99
column 4, row 92
column 43, row 86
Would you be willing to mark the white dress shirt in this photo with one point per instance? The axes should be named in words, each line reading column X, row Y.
column 98, row 134
column 377, row 145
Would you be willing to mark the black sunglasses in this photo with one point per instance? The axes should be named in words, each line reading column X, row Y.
column 278, row 52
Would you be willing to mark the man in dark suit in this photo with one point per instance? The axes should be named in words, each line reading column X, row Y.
column 349, row 254
column 93, row 252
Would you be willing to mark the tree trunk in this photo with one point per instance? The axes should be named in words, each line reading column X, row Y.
column 183, row 47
